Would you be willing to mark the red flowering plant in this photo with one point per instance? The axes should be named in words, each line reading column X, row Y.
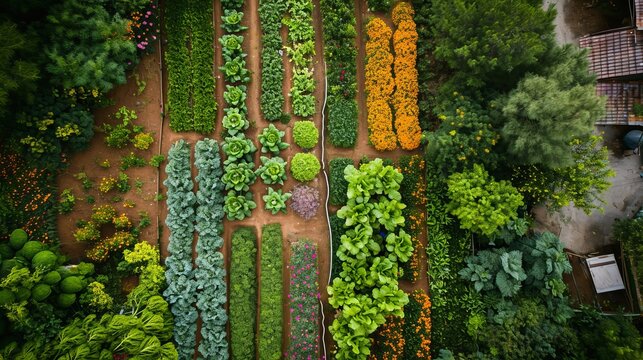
column 304, row 302
column 144, row 27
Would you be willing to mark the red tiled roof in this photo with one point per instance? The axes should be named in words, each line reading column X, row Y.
column 614, row 54
column 621, row 96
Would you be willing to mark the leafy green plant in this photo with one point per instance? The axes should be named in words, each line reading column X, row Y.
column 235, row 96
column 271, row 139
column 272, row 170
column 276, row 201
column 234, row 121
column 132, row 160
column 238, row 148
column 232, row 21
column 142, row 141
column 238, row 176
column 272, row 68
column 231, row 45
column 234, row 69
column 342, row 122
column 122, row 183
column 304, row 167
column 305, row 134
column 238, row 207
column 338, row 184
column 243, row 293
column 301, row 35
column 66, row 201
column 482, row 204
column 157, row 160
column 270, row 300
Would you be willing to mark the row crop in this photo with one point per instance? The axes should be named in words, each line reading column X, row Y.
column 181, row 290
column 339, row 30
column 304, row 302
column 405, row 99
column 301, row 36
column 190, row 58
column 243, row 293
column 272, row 67
column 338, row 184
column 379, row 85
column 210, row 272
column 271, row 284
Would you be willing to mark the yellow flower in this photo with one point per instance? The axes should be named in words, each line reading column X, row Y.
column 452, row 132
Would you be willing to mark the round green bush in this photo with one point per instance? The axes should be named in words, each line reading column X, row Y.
column 304, row 167
column 84, row 269
column 6, row 252
column 40, row 292
column 305, row 134
column 6, row 297
column 30, row 249
column 64, row 272
column 22, row 294
column 18, row 238
column 66, row 300
column 71, row 285
column 44, row 259
column 51, row 278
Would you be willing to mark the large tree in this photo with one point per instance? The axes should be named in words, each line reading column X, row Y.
column 546, row 111
column 484, row 40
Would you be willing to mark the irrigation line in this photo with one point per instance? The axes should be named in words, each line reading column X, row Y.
column 330, row 230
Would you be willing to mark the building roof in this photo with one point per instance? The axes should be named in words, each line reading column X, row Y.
column 638, row 8
column 614, row 54
column 621, row 96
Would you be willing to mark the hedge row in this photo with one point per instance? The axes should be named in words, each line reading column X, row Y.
column 339, row 30
column 180, row 293
column 304, row 302
column 271, row 285
column 210, row 272
column 272, row 67
column 243, row 293
column 337, row 228
column 189, row 58
column 338, row 184
column 413, row 190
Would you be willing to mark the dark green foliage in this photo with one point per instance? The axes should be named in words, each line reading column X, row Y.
column 337, row 182
column 630, row 234
column 607, row 337
column 202, row 56
column 177, row 58
column 272, row 68
column 342, row 122
column 271, row 284
column 243, row 293
column 476, row 40
column 424, row 65
column 15, row 73
column 379, row 5
column 545, row 112
column 337, row 228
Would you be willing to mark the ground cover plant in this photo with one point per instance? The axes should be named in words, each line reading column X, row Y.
column 379, row 85
column 339, row 29
column 209, row 274
column 189, row 58
column 370, row 251
column 301, row 49
column 243, row 293
column 272, row 68
column 271, row 285
column 303, row 298
column 179, row 275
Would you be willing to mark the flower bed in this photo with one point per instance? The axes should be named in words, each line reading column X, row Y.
column 413, row 190
column 209, row 274
column 339, row 30
column 379, row 85
column 272, row 67
column 407, row 124
column 189, row 58
column 180, row 219
column 304, row 302
column 271, row 299
column 243, row 293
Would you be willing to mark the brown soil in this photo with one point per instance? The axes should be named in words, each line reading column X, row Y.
column 148, row 107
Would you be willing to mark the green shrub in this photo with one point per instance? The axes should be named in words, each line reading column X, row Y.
column 243, row 293
column 66, row 201
column 84, row 269
column 338, row 184
column 71, row 285
column 22, row 294
column 52, row 278
column 30, row 249
column 7, row 265
column 6, row 297
column 87, row 233
column 44, row 259
column 342, row 122
column 271, row 285
column 305, row 134
column 40, row 292
column 18, row 238
column 66, row 300
column 6, row 252
column 379, row 5
column 157, row 160
column 304, row 167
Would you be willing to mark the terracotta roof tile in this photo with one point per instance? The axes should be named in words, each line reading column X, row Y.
column 615, row 54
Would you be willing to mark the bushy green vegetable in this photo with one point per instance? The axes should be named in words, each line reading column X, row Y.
column 338, row 184
column 276, row 201
column 271, row 285
column 305, row 134
column 272, row 69
column 238, row 148
column 243, row 293
column 270, row 137
column 342, row 122
column 18, row 238
column 238, row 176
column 232, row 21
column 40, row 292
column 51, row 278
column 235, row 97
column 272, row 170
column 238, row 207
column 71, row 285
column 45, row 260
column 66, row 300
column 304, row 167
column 30, row 249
